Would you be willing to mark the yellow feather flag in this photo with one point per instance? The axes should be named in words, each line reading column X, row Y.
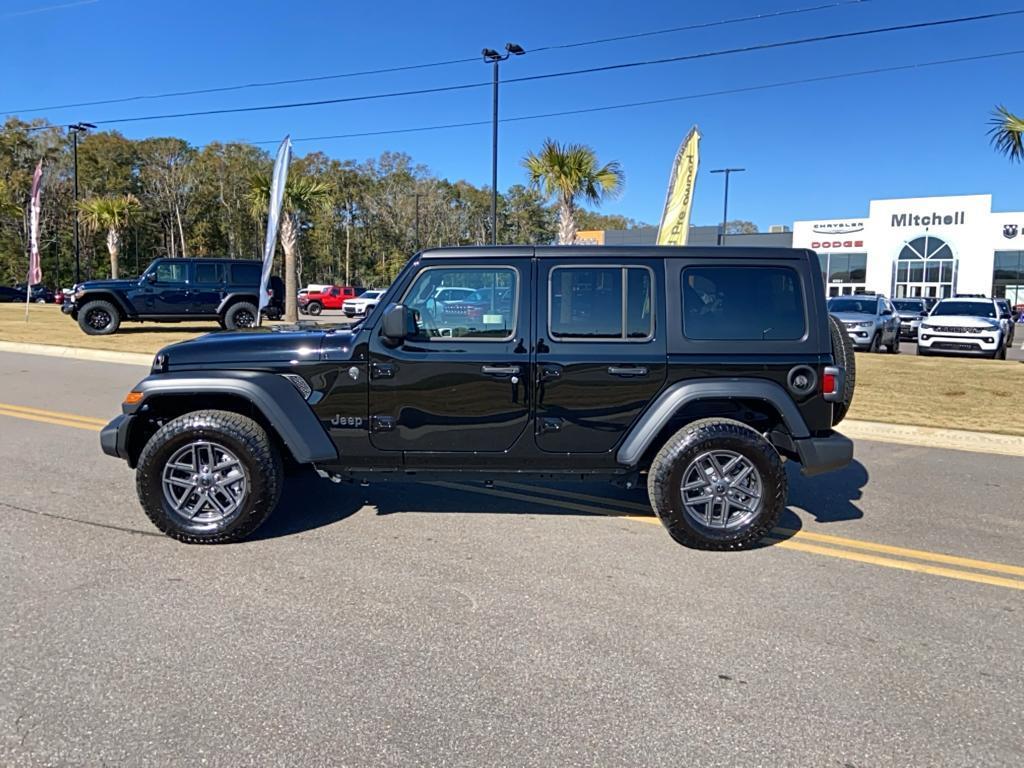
column 675, row 221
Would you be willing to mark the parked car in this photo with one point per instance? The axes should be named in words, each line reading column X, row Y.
column 673, row 381
column 331, row 297
column 911, row 312
column 40, row 293
column 963, row 326
column 361, row 305
column 1007, row 320
column 869, row 319
column 174, row 291
column 8, row 294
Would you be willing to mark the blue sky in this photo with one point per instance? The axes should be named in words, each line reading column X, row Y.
column 811, row 151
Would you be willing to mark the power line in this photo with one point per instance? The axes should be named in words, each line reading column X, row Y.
column 433, row 64
column 651, row 102
column 567, row 73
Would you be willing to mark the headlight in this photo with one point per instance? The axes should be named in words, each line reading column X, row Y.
column 866, row 325
column 79, row 293
column 925, row 325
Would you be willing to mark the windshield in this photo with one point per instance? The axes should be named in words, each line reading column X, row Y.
column 860, row 306
column 371, row 295
column 969, row 308
column 909, row 306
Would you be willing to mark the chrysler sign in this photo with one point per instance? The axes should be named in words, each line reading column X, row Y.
column 838, row 227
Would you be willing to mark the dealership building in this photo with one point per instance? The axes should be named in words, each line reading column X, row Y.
column 920, row 246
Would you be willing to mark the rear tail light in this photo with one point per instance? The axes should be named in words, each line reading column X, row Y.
column 829, row 384
column 833, row 379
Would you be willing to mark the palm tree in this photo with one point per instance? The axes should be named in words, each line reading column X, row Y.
column 303, row 195
column 1007, row 133
column 112, row 213
column 569, row 173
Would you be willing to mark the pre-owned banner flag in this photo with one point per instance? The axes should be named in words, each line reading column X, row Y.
column 675, row 221
column 277, row 184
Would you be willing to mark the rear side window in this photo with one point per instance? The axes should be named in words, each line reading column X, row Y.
column 600, row 303
column 208, row 273
column 246, row 274
column 738, row 303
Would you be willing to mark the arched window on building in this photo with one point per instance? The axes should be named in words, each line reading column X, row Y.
column 926, row 266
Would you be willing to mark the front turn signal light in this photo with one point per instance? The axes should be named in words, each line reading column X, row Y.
column 133, row 398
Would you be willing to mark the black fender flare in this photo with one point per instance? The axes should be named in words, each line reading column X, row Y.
column 126, row 310
column 272, row 395
column 678, row 395
column 231, row 298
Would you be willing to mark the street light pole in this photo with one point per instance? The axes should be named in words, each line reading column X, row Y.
column 495, row 58
column 75, row 130
column 725, row 206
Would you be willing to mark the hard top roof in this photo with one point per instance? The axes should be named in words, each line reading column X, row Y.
column 591, row 252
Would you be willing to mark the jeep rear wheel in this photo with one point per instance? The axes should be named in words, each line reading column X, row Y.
column 241, row 315
column 99, row 318
column 209, row 477
column 717, row 484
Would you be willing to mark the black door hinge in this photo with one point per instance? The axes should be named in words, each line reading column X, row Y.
column 382, row 423
column 550, row 372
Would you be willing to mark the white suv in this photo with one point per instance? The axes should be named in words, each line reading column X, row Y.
column 361, row 305
column 963, row 326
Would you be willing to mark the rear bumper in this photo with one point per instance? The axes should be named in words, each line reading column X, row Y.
column 114, row 436
column 824, row 454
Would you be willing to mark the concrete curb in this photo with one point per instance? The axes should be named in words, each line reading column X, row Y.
column 931, row 437
column 78, row 353
column 900, row 434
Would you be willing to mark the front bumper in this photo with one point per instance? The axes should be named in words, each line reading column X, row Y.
column 966, row 344
column 67, row 307
column 908, row 330
column 824, row 454
column 114, row 436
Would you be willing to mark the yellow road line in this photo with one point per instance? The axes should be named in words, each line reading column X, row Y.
column 53, row 414
column 904, row 565
column 48, row 420
column 795, row 543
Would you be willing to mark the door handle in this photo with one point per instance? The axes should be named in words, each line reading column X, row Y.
column 500, row 370
column 615, row 370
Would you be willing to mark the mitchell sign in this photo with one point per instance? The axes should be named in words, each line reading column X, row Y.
column 913, row 220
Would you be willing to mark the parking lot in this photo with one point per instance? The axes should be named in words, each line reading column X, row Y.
column 458, row 624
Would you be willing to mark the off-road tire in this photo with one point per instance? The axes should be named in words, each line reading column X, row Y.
column 89, row 314
column 845, row 356
column 264, row 473
column 876, row 343
column 893, row 347
column 235, row 317
column 665, row 477
column 314, row 308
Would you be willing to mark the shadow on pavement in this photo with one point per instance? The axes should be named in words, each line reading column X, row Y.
column 309, row 502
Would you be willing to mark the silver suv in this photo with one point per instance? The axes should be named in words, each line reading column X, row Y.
column 869, row 319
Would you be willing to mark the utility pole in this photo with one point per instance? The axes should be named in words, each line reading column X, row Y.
column 725, row 207
column 76, row 129
column 493, row 57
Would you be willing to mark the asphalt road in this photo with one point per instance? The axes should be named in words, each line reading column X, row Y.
column 444, row 625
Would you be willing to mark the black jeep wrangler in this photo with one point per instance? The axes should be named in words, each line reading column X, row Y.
column 174, row 291
column 699, row 368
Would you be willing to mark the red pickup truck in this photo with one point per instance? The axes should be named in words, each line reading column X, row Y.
column 315, row 302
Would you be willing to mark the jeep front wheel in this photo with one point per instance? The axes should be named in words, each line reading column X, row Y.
column 314, row 308
column 241, row 315
column 209, row 477
column 717, row 484
column 99, row 318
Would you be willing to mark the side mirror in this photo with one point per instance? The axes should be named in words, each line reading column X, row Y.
column 398, row 323
column 886, row 311
column 151, row 277
column 1005, row 316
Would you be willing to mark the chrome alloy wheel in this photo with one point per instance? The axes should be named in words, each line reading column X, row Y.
column 98, row 319
column 204, row 483
column 721, row 489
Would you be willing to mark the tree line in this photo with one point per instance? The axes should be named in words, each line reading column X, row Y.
column 353, row 222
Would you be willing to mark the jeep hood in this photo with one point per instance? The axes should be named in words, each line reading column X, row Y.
column 257, row 346
column 853, row 317
column 962, row 321
column 95, row 285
